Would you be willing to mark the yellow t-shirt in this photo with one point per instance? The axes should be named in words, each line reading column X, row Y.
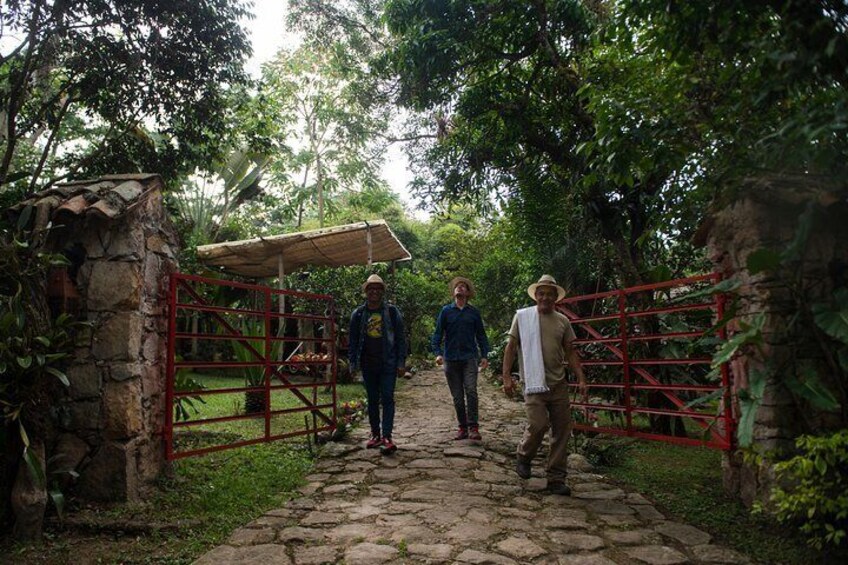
column 555, row 329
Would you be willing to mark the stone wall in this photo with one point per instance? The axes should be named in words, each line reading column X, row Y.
column 766, row 215
column 112, row 417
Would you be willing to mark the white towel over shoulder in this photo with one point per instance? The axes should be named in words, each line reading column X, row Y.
column 531, row 351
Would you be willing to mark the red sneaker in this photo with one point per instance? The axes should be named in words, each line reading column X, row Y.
column 461, row 433
column 474, row 433
column 388, row 446
column 375, row 441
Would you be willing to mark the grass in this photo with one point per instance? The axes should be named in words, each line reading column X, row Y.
column 207, row 496
column 686, row 482
column 229, row 404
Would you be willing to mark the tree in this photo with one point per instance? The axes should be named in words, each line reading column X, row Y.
column 206, row 202
column 89, row 87
column 332, row 126
column 734, row 88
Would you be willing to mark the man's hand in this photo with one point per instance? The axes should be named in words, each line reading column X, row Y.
column 439, row 360
column 484, row 363
column 583, row 389
column 401, row 371
column 508, row 384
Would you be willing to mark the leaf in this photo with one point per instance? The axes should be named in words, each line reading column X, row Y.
column 23, row 219
column 659, row 273
column 811, row 388
column 18, row 309
column 24, row 436
column 34, row 466
column 821, row 465
column 842, row 355
column 24, row 362
column 59, row 500
column 59, row 375
column 833, row 319
column 749, row 403
column 763, row 260
column 727, row 285
column 17, row 175
column 796, row 247
column 42, row 340
column 752, row 334
column 714, row 395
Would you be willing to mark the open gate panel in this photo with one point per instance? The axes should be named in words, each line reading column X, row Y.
column 247, row 364
column 646, row 351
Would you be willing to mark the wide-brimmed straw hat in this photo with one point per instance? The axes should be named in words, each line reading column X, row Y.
column 373, row 279
column 546, row 280
column 456, row 280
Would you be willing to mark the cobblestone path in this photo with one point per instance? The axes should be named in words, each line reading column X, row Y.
column 442, row 501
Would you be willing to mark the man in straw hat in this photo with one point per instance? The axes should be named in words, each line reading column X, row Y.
column 378, row 347
column 460, row 327
column 544, row 339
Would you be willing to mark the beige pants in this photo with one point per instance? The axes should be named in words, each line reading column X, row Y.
column 548, row 409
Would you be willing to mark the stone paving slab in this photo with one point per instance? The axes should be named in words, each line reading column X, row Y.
column 438, row 500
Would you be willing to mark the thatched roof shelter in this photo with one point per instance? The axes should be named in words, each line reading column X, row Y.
column 353, row 244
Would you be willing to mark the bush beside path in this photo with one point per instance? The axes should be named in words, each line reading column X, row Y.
column 443, row 501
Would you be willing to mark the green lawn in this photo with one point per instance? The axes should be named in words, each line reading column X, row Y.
column 686, row 483
column 232, row 404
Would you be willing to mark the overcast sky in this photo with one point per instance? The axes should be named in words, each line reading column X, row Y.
column 268, row 34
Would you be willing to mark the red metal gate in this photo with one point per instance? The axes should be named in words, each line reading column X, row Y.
column 236, row 375
column 645, row 368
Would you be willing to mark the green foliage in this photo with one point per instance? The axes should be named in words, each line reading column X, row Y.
column 686, row 484
column 750, row 400
column 329, row 116
column 184, row 381
column 34, row 351
column 811, row 323
column 600, row 452
column 210, row 206
column 833, row 319
column 816, row 491
column 756, row 86
column 33, row 348
column 419, row 297
column 82, row 99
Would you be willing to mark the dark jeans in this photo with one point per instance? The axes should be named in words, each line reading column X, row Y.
column 462, row 381
column 380, row 387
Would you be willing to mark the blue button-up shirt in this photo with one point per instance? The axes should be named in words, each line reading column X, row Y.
column 462, row 331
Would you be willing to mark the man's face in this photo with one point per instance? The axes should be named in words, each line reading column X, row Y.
column 546, row 298
column 374, row 293
column 460, row 290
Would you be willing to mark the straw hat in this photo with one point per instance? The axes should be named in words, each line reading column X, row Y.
column 373, row 279
column 546, row 280
column 456, row 280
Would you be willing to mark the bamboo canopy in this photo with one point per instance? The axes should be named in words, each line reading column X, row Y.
column 361, row 243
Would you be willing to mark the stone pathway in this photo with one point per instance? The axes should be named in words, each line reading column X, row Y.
column 443, row 501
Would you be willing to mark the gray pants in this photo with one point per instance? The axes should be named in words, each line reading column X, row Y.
column 462, row 381
column 548, row 410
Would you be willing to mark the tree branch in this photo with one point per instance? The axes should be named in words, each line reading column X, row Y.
column 50, row 140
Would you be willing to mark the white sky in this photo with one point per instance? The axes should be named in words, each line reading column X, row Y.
column 268, row 34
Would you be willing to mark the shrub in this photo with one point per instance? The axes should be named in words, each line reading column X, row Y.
column 817, row 497
column 600, row 451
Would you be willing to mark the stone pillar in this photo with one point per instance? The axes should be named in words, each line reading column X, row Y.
column 114, row 412
column 765, row 215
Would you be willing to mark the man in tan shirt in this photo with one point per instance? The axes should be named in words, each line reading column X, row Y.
column 543, row 339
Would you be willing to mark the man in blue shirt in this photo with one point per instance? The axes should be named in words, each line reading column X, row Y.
column 460, row 327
